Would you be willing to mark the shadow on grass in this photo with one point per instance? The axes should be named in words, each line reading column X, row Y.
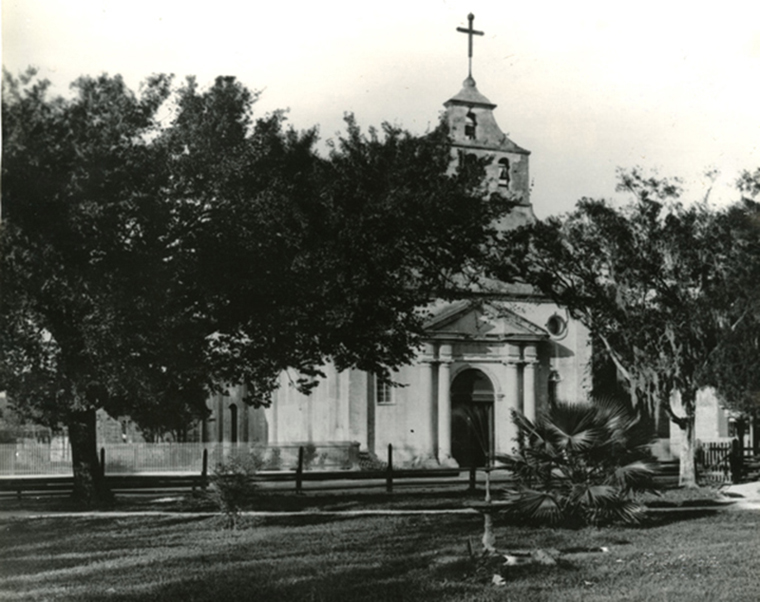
column 291, row 579
column 676, row 515
column 422, row 558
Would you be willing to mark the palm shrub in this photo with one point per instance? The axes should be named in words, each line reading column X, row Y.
column 581, row 463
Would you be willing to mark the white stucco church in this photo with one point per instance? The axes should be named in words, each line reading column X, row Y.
column 484, row 355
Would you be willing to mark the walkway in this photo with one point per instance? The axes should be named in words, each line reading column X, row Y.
column 746, row 495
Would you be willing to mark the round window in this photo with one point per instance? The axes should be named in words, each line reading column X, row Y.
column 556, row 326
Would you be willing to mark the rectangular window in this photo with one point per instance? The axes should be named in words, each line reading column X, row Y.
column 383, row 391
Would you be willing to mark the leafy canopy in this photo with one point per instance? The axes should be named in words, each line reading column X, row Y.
column 150, row 260
column 663, row 286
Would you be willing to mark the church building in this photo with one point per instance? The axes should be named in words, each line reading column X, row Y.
column 484, row 355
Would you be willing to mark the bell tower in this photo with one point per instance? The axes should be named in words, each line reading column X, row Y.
column 474, row 131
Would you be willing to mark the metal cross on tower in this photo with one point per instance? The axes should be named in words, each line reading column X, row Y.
column 470, row 32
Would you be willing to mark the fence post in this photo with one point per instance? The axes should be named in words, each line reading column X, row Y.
column 473, row 477
column 389, row 473
column 736, row 460
column 299, row 471
column 204, row 470
column 103, row 462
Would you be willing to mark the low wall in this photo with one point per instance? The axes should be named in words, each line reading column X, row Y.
column 135, row 458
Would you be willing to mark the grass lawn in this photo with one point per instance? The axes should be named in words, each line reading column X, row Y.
column 710, row 557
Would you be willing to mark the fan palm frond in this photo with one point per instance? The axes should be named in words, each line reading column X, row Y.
column 535, row 505
column 636, row 476
column 581, row 463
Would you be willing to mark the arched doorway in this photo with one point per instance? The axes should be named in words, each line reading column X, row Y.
column 472, row 398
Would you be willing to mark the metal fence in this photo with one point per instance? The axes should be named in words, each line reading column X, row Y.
column 135, row 458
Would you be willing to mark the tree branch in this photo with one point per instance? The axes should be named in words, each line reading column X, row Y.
column 616, row 360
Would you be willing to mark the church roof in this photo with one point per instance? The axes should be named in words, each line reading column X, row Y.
column 470, row 96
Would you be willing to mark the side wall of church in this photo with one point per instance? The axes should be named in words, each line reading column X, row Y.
column 324, row 415
column 407, row 420
column 231, row 420
column 568, row 353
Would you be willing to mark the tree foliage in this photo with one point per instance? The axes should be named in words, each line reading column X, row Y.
column 661, row 285
column 732, row 368
column 80, row 326
column 161, row 245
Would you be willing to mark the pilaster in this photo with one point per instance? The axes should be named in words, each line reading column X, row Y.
column 444, row 403
column 530, row 360
column 504, row 429
column 429, row 440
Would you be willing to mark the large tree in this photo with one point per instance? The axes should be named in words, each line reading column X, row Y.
column 77, row 175
column 305, row 258
column 160, row 246
column 732, row 368
column 656, row 282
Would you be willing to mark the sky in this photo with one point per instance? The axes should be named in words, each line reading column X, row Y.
column 588, row 87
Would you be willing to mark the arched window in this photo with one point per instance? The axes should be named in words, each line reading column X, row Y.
column 504, row 172
column 468, row 159
column 233, row 423
column 470, row 124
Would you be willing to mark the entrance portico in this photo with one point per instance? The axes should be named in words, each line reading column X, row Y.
column 486, row 358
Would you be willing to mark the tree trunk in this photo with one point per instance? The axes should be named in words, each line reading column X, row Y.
column 687, row 476
column 89, row 485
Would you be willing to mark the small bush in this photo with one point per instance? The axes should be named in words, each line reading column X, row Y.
column 232, row 485
column 309, row 455
column 273, row 459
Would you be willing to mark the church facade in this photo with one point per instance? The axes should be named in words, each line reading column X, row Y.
column 484, row 355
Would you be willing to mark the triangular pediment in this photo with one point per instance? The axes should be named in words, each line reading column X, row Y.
column 482, row 320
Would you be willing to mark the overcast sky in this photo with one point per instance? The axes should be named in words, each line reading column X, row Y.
column 586, row 86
